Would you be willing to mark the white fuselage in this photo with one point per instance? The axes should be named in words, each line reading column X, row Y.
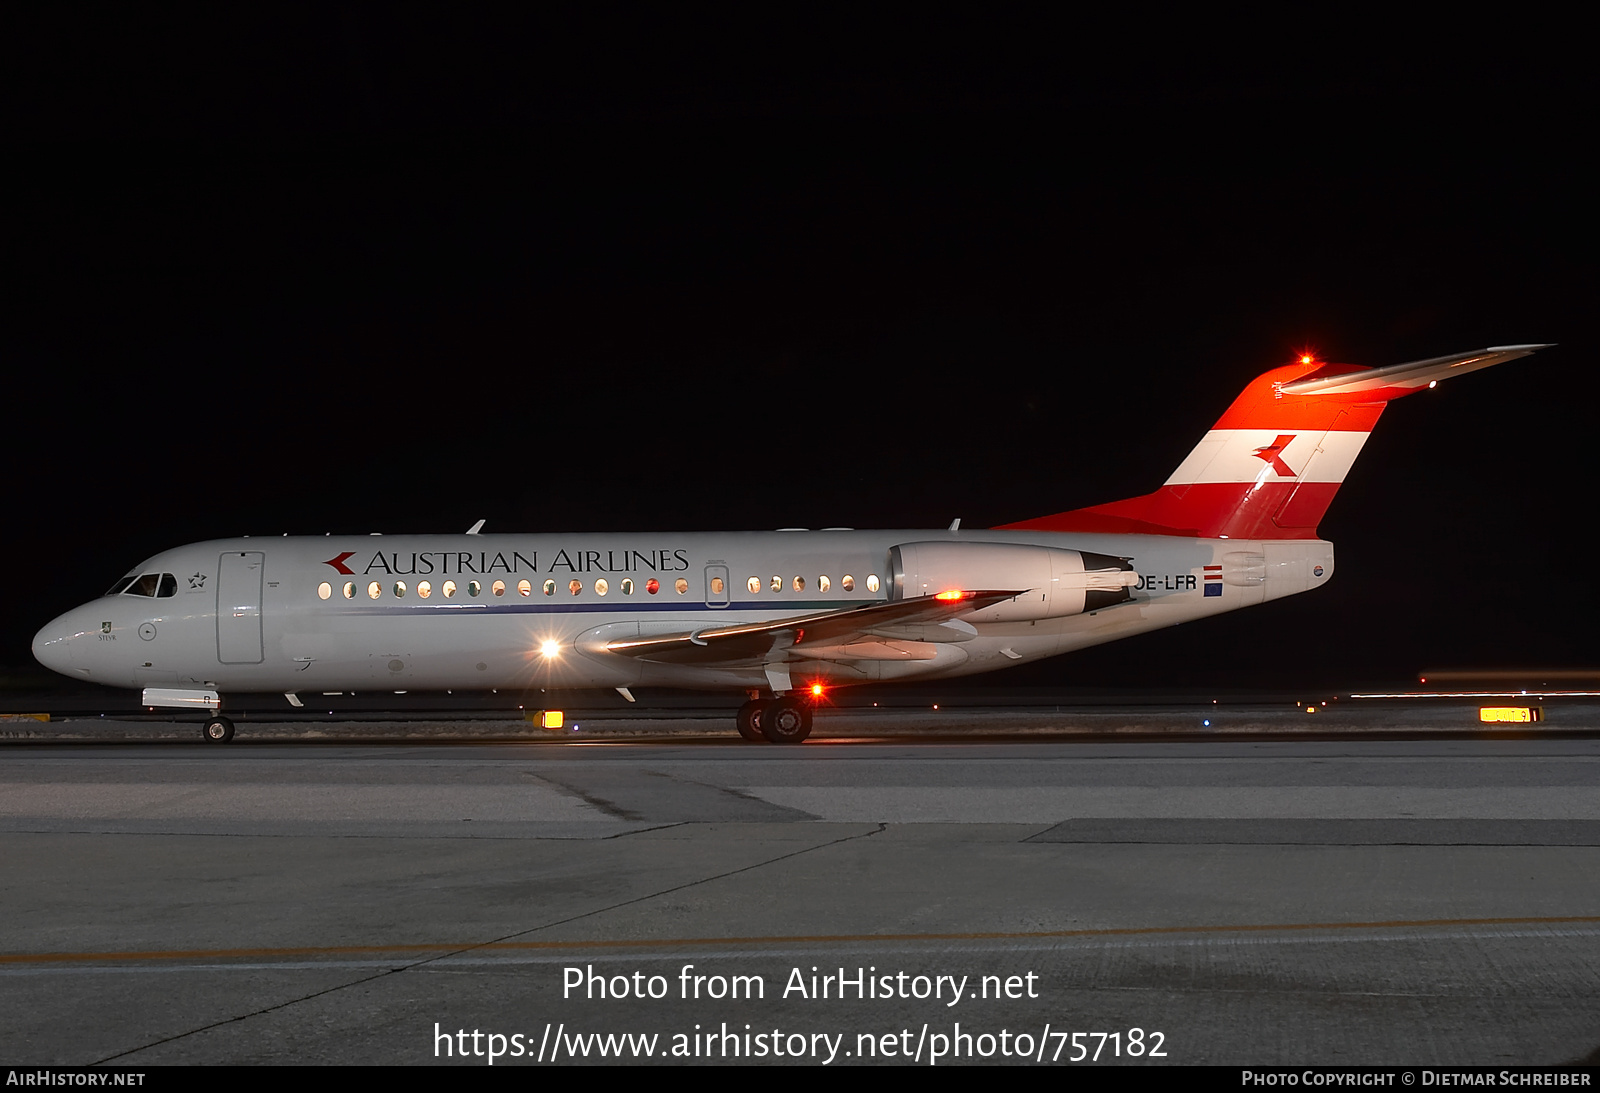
column 348, row 613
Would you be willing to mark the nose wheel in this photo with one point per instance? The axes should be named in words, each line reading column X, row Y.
column 217, row 730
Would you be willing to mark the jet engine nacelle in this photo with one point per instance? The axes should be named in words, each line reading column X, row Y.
column 1051, row 582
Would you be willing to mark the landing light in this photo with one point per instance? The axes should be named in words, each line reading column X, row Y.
column 550, row 648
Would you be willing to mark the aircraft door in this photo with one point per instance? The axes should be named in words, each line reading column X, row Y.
column 716, row 586
column 239, row 576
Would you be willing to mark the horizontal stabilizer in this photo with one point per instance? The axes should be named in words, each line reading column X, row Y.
column 1409, row 376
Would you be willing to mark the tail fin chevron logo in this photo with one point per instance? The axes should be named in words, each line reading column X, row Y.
column 1272, row 454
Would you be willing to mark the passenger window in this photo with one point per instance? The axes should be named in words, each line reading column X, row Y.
column 474, row 589
column 575, row 587
column 777, row 583
column 424, row 589
column 754, row 585
column 399, row 589
column 682, row 586
column 499, row 588
column 799, row 584
column 122, row 585
column 872, row 582
column 550, row 588
column 169, row 586
column 652, row 586
column 374, row 590
column 324, row 590
column 349, row 590
column 601, row 587
column 848, row 584
column 448, row 589
column 524, row 588
column 627, row 586
column 823, row 584
column 716, row 586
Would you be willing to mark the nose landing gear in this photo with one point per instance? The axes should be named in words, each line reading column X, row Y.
column 217, row 730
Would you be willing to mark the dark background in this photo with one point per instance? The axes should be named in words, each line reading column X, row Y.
column 392, row 273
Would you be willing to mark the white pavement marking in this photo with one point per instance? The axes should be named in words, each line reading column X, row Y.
column 1052, row 804
column 300, row 802
column 855, row 948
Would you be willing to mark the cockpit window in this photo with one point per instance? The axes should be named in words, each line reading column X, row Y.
column 145, row 584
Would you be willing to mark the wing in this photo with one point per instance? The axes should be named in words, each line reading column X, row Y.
column 1411, row 375
column 759, row 641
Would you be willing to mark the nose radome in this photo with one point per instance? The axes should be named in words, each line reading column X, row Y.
column 52, row 645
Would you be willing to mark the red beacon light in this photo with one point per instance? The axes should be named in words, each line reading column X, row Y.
column 816, row 690
column 951, row 594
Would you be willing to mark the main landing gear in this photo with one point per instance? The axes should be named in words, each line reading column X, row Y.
column 779, row 720
column 217, row 730
column 750, row 720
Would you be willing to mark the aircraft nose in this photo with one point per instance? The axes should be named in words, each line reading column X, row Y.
column 56, row 644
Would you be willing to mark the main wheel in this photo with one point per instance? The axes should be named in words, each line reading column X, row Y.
column 218, row 730
column 786, row 721
column 749, row 720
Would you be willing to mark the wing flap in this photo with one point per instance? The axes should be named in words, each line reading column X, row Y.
column 831, row 630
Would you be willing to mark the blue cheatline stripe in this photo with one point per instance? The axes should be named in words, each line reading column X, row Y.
column 621, row 608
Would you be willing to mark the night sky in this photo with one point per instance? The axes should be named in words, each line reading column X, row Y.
column 399, row 277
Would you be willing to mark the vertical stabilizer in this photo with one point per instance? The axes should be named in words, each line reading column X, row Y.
column 1270, row 466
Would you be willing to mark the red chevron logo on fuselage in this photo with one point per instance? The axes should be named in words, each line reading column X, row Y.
column 338, row 563
column 1272, row 454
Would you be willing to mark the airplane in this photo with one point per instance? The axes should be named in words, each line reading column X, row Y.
column 784, row 616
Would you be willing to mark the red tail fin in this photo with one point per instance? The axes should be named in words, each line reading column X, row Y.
column 1270, row 466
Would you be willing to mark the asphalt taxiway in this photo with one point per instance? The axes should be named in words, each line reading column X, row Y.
column 1427, row 900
